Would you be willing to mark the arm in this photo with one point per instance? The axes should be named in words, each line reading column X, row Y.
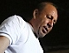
column 4, row 43
column 10, row 30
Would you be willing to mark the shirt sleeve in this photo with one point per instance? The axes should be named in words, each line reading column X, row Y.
column 10, row 28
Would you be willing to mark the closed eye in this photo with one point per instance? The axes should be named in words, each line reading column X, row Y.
column 49, row 17
column 52, row 18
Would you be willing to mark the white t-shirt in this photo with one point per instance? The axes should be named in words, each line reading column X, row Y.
column 21, row 36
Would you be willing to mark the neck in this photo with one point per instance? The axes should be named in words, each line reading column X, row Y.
column 32, row 22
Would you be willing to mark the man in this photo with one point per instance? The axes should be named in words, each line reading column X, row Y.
column 18, row 36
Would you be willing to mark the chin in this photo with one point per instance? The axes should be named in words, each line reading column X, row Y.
column 41, row 36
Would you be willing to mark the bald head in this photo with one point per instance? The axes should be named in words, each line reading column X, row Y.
column 41, row 6
column 48, row 7
column 44, row 17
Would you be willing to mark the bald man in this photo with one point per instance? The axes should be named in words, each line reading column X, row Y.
column 18, row 36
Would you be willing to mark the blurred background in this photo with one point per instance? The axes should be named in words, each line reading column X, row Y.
column 57, row 41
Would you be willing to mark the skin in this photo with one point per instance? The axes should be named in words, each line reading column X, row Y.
column 4, row 43
column 43, row 21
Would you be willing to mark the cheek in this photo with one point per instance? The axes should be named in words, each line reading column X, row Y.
column 40, row 32
column 44, row 22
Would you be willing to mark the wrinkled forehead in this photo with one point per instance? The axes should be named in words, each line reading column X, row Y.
column 53, row 13
column 51, row 10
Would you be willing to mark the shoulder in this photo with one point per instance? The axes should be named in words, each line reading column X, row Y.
column 13, row 19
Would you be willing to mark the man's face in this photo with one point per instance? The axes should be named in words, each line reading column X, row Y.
column 45, row 20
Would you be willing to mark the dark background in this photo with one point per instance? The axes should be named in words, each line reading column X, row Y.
column 58, row 37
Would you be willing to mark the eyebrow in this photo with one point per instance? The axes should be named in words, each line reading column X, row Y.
column 52, row 17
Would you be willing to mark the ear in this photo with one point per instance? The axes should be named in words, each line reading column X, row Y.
column 35, row 13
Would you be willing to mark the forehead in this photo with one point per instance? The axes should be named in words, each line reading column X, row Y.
column 50, row 10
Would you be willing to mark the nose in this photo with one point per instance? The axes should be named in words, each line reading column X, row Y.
column 50, row 24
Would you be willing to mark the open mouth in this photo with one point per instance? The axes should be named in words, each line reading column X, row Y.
column 45, row 29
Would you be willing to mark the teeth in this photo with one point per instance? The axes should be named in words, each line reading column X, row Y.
column 44, row 31
column 45, row 28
